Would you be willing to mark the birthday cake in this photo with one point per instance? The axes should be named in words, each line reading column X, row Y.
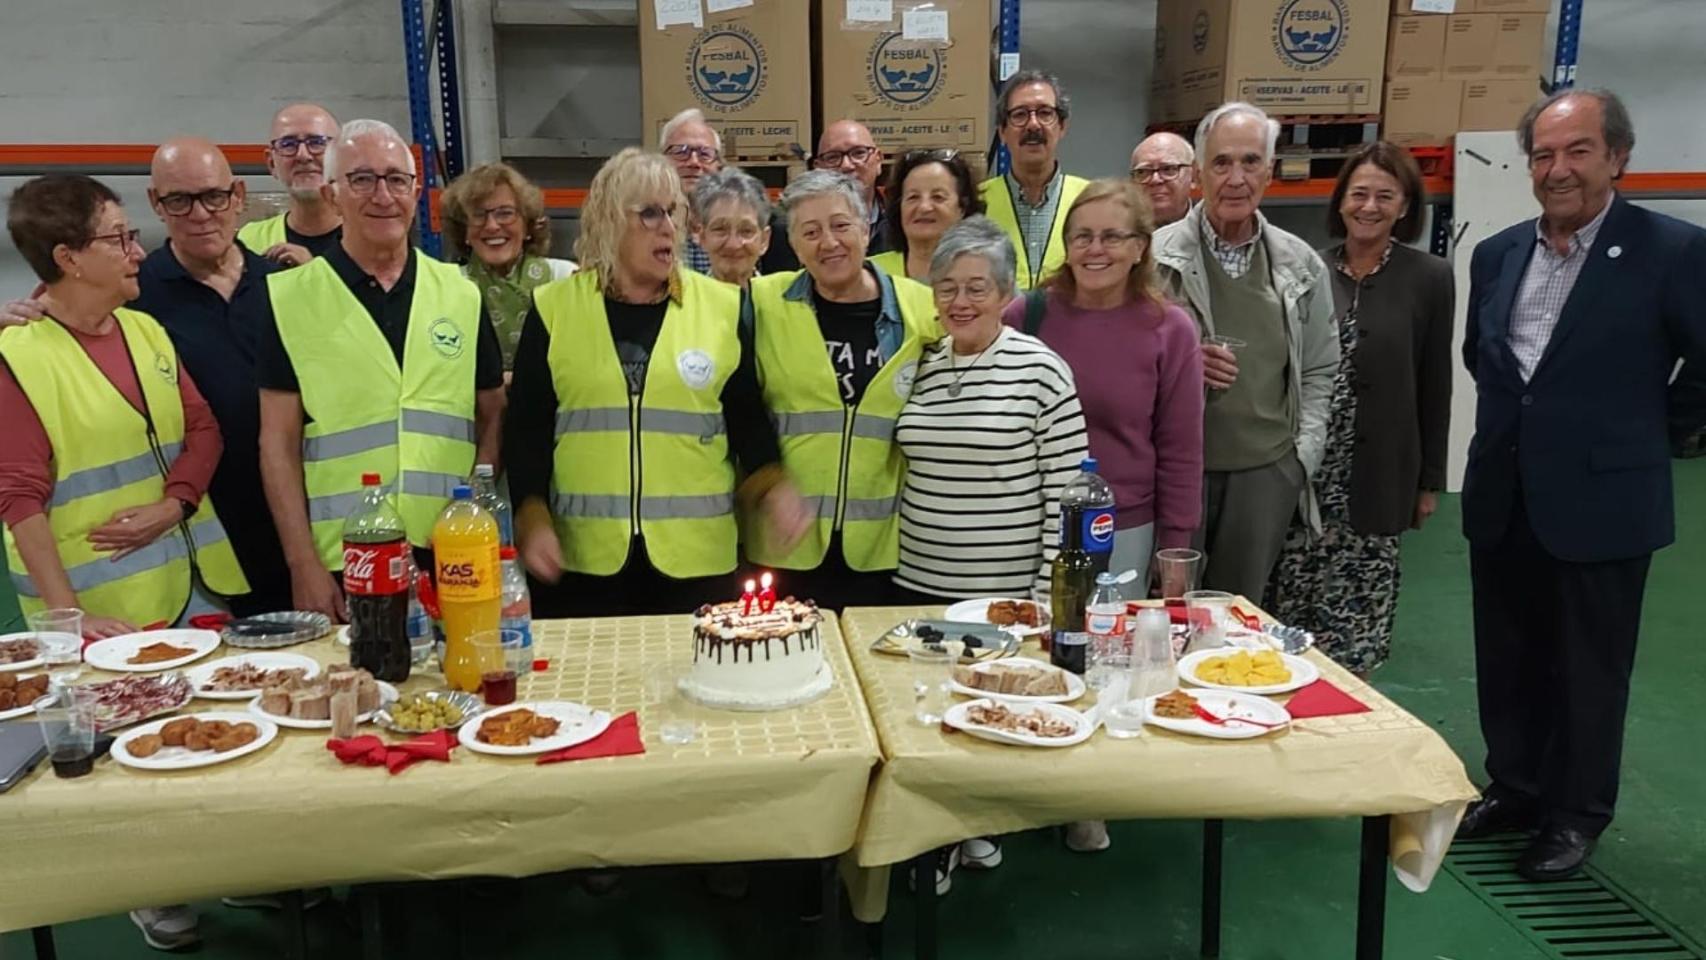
column 757, row 656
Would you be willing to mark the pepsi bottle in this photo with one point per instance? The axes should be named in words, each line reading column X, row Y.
column 1087, row 507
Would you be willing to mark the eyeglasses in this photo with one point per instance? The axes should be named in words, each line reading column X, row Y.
column 1021, row 116
column 681, row 151
column 213, row 201
column 123, row 239
column 287, row 146
column 931, row 156
column 1082, row 239
column 502, row 216
column 364, row 182
column 1164, row 172
column 720, row 234
column 830, row 159
column 976, row 291
column 653, row 216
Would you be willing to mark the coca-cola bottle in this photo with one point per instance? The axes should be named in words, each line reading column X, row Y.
column 378, row 566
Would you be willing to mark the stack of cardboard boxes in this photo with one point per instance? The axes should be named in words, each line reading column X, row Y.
column 1475, row 68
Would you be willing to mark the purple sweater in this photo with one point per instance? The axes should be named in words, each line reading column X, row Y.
column 1139, row 374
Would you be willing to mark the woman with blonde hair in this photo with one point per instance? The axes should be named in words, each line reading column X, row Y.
column 635, row 399
column 495, row 223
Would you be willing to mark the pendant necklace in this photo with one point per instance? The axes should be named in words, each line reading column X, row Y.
column 958, row 375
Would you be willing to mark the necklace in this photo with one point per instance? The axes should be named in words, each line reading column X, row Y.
column 958, row 375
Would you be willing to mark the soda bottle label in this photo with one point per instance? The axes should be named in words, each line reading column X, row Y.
column 376, row 569
column 1098, row 530
column 467, row 574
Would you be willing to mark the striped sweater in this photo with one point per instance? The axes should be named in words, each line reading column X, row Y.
column 980, row 510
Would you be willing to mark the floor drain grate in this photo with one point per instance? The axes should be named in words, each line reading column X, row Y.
column 1587, row 917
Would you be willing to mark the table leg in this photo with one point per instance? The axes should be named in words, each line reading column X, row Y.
column 42, row 937
column 295, row 925
column 924, row 905
column 1371, row 888
column 370, row 901
column 829, row 921
column 1213, row 833
column 873, row 940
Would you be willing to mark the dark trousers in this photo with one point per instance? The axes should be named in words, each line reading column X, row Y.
column 638, row 589
column 1554, row 647
column 836, row 586
column 1246, row 514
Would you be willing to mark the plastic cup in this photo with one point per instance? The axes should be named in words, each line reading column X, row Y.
column 1177, row 569
column 59, row 639
column 932, row 672
column 67, row 721
column 1231, row 343
column 676, row 715
column 497, row 653
column 1210, row 613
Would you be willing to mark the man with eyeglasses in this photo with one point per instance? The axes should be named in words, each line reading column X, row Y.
column 375, row 358
column 1030, row 200
column 1164, row 165
column 1270, row 351
column 301, row 133
column 696, row 149
column 847, row 147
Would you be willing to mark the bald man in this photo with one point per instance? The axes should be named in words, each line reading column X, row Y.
column 296, row 150
column 1164, row 165
column 846, row 147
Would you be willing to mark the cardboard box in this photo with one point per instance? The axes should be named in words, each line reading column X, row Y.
column 1430, row 7
column 1415, row 49
column 1493, row 46
column 918, row 79
column 1286, row 56
column 1512, row 6
column 746, row 68
column 1469, row 42
column 1496, row 104
column 1422, row 113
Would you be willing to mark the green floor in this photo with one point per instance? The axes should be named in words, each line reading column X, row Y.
column 1290, row 885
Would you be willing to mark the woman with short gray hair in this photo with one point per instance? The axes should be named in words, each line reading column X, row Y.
column 731, row 223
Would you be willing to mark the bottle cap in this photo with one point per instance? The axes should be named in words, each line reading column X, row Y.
column 370, row 479
column 484, row 470
column 1088, row 465
column 506, row 553
column 1104, row 578
column 461, row 492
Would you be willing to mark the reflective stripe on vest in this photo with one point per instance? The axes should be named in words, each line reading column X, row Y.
column 105, row 461
column 1002, row 208
column 847, row 467
column 412, row 424
column 684, row 501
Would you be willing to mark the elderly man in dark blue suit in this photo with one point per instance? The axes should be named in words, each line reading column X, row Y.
column 1576, row 322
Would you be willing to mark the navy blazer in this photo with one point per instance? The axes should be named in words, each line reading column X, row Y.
column 1586, row 438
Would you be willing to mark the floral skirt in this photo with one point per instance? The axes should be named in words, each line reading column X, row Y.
column 1341, row 586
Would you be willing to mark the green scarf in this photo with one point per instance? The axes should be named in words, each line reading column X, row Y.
column 508, row 298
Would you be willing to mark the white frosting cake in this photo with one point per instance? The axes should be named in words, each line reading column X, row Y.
column 757, row 661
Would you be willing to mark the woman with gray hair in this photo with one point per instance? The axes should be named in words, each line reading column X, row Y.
column 837, row 344
column 731, row 223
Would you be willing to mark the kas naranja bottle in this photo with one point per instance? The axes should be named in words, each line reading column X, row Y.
column 469, row 582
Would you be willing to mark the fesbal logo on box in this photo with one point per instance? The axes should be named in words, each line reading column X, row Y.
column 1308, row 34
column 725, row 67
column 905, row 73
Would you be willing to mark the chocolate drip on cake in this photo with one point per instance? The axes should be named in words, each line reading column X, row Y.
column 724, row 624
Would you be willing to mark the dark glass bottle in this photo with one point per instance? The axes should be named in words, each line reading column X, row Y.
column 1070, row 585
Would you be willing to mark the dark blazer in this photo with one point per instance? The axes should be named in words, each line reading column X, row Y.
column 1402, row 380
column 1586, row 437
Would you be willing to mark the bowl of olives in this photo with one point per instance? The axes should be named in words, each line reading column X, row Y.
column 432, row 710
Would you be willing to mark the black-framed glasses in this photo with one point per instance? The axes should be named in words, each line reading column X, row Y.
column 124, row 239
column 1081, row 239
column 939, row 155
column 502, row 216
column 1165, row 172
column 832, row 158
column 652, row 216
column 216, row 200
column 364, row 182
column 1022, row 116
column 287, row 146
column 681, row 151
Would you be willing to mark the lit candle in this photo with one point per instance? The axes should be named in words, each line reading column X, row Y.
column 746, row 599
column 767, row 596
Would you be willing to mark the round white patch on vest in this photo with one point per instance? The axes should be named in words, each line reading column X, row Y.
column 696, row 368
column 903, row 379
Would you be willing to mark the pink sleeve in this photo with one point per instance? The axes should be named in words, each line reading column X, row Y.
column 26, row 458
column 189, row 475
column 1178, row 432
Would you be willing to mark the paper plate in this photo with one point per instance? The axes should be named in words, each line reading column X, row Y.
column 114, row 653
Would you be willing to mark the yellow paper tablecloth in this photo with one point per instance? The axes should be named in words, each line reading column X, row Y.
column 754, row 786
column 936, row 788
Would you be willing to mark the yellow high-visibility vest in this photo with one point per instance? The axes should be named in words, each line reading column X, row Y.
column 1000, row 206
column 656, row 464
column 413, row 425
column 107, row 457
column 262, row 235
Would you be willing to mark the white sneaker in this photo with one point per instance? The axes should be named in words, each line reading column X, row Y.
column 980, row 853
column 1087, row 836
column 947, row 859
column 167, row 928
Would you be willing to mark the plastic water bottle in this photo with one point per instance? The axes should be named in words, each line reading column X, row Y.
column 518, row 604
column 420, row 624
column 486, row 495
column 1105, row 623
column 1087, row 503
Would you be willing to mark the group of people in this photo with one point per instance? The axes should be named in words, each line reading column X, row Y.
column 878, row 393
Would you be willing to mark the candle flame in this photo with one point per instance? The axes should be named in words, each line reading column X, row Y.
column 765, row 580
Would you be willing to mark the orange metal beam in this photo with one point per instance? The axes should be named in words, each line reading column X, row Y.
column 109, row 154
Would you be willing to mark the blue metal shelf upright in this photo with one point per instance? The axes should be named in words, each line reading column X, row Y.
column 418, row 56
column 1007, row 46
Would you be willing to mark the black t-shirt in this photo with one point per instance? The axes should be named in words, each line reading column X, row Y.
column 316, row 246
column 850, row 333
column 389, row 309
column 634, row 327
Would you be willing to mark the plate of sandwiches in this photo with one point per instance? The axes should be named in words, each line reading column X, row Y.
column 1018, row 680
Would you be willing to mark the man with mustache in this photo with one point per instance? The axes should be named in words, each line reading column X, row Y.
column 1264, row 301
column 1576, row 321
column 1030, row 200
column 295, row 157
column 1164, row 165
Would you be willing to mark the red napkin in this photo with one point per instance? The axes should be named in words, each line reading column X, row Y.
column 210, row 621
column 1322, row 699
column 620, row 740
column 370, row 751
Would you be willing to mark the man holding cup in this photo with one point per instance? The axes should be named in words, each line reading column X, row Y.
column 1270, row 350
